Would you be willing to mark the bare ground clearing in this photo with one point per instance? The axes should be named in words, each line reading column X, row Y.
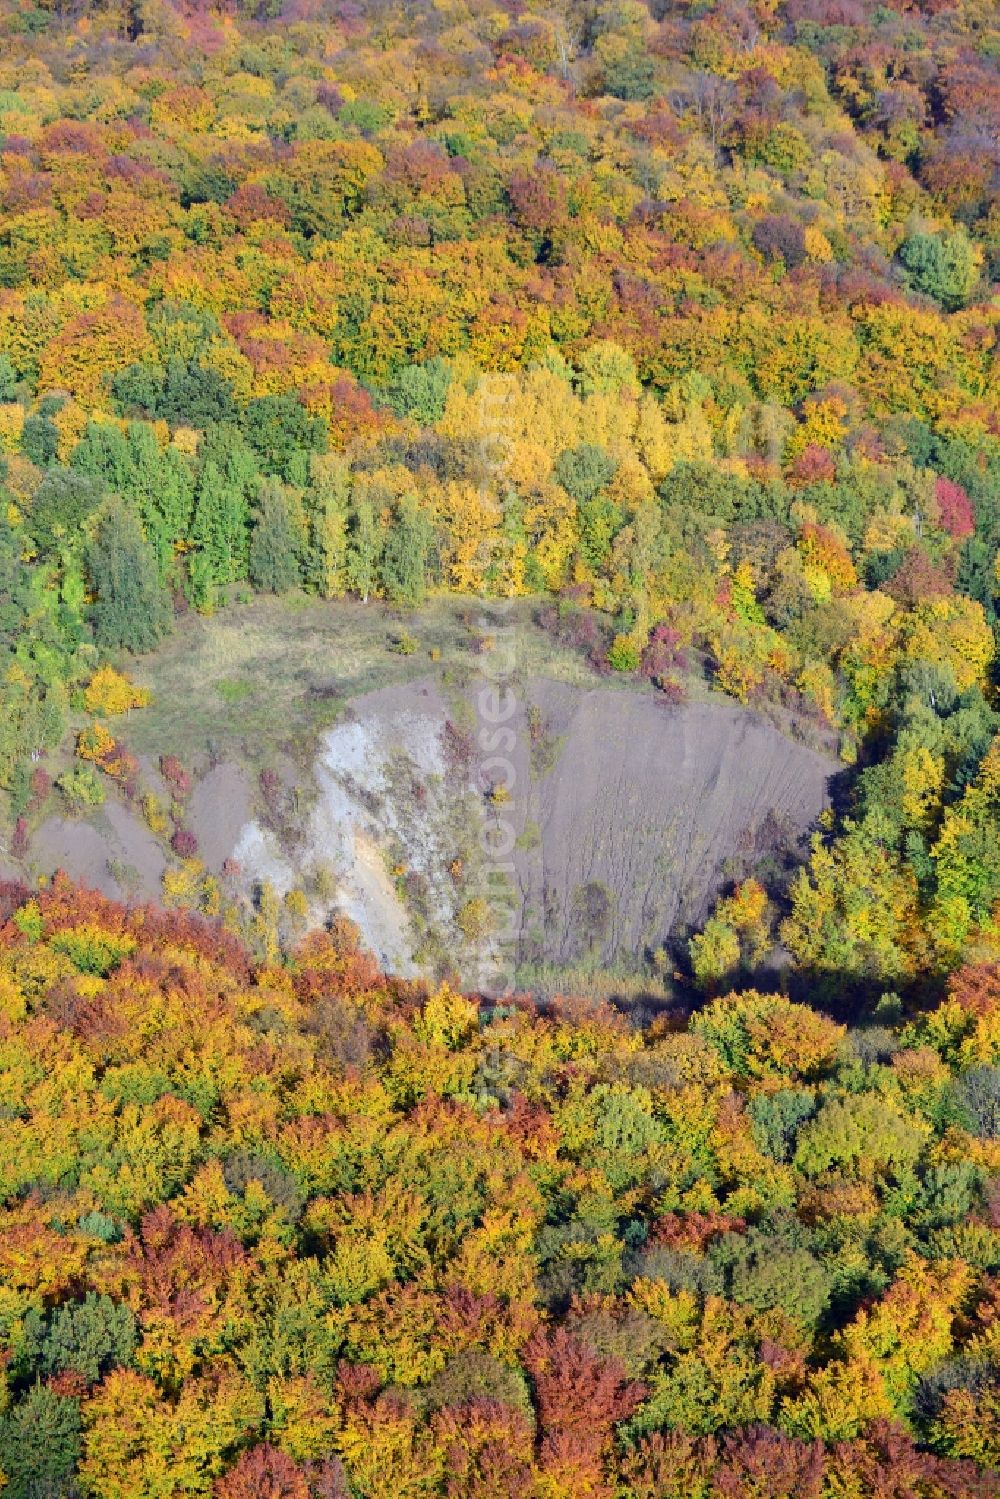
column 628, row 816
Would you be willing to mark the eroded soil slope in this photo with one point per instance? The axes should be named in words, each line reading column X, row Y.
column 646, row 812
column 626, row 817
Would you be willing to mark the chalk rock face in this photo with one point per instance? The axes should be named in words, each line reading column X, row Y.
column 384, row 802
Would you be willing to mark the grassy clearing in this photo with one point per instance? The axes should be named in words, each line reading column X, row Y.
column 235, row 691
column 268, row 676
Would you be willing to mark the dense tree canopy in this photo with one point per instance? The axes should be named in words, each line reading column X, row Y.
column 295, row 1228
column 683, row 315
column 685, row 309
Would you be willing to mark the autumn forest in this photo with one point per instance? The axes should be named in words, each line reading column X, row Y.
column 675, row 322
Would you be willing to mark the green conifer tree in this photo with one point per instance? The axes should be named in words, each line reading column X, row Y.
column 274, row 541
column 219, row 532
column 131, row 610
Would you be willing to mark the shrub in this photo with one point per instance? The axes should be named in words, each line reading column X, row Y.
column 672, row 691
column 662, row 653
column 110, row 692
column 154, row 813
column 81, row 787
column 270, row 785
column 184, row 843
column 577, row 629
column 176, row 777
column 41, row 786
column 475, row 920
column 623, row 655
column 19, row 838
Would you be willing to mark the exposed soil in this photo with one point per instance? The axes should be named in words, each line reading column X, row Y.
column 647, row 812
column 113, row 851
column 623, row 819
column 627, row 818
column 221, row 805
